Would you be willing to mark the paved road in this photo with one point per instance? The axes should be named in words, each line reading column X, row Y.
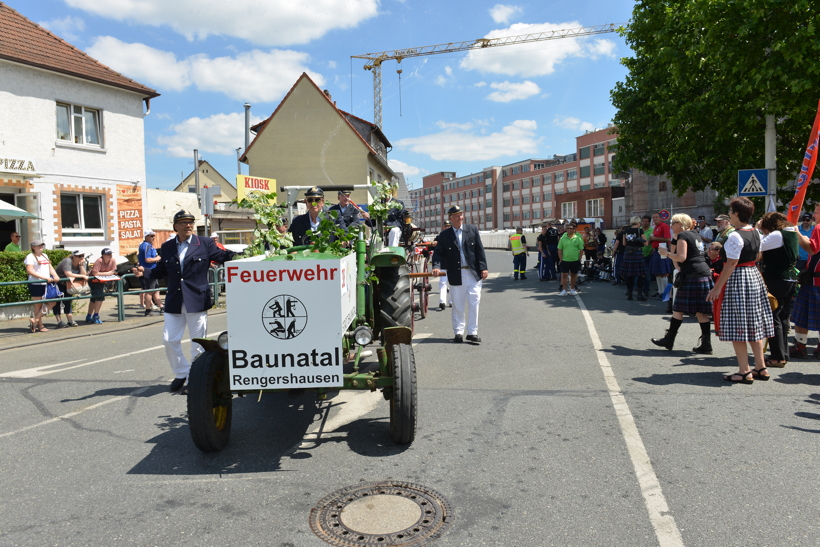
column 563, row 428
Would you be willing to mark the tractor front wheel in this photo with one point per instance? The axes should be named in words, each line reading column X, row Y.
column 395, row 298
column 209, row 402
column 403, row 401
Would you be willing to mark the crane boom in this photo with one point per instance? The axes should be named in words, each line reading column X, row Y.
column 376, row 59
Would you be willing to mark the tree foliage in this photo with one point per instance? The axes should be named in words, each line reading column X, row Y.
column 704, row 75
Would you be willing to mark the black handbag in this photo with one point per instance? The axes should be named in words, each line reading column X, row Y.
column 678, row 282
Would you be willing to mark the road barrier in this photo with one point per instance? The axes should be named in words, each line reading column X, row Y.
column 216, row 280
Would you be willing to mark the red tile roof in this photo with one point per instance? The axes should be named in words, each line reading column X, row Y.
column 23, row 41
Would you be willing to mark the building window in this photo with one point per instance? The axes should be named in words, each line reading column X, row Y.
column 525, row 200
column 505, row 187
column 599, row 168
column 547, row 178
column 516, row 201
column 506, row 217
column 488, row 203
column 547, row 212
column 559, row 191
column 537, row 165
column 536, row 213
column 82, row 215
column 525, row 183
column 516, row 216
column 536, row 181
column 547, row 196
column 503, row 172
column 489, row 188
column 506, row 202
column 568, row 209
column 515, row 185
column 661, row 186
column 598, row 149
column 525, row 168
column 583, row 153
column 516, row 170
column 572, row 174
column 595, row 207
column 526, row 215
column 559, row 177
column 585, row 171
column 78, row 124
column 536, row 198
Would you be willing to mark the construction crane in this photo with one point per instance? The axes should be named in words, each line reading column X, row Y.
column 376, row 59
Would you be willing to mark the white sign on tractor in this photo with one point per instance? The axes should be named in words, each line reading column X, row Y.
column 286, row 321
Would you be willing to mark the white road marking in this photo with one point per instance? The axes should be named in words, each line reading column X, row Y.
column 419, row 336
column 72, row 414
column 42, row 371
column 666, row 530
column 121, row 371
column 32, row 372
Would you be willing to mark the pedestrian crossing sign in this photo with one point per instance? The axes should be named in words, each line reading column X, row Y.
column 752, row 182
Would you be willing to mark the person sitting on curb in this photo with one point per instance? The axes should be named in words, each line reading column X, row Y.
column 72, row 267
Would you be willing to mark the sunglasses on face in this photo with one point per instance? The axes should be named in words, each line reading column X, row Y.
column 312, row 201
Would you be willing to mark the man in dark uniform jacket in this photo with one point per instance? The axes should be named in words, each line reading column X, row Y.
column 302, row 224
column 349, row 214
column 185, row 261
column 460, row 252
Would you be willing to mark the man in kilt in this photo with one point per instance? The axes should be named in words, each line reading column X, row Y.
column 687, row 252
column 741, row 306
column 806, row 313
column 632, row 265
column 659, row 267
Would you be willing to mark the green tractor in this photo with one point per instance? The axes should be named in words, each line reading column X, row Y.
column 303, row 320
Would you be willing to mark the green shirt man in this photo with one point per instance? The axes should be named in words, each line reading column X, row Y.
column 570, row 247
column 14, row 246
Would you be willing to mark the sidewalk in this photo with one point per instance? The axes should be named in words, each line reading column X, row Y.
column 15, row 333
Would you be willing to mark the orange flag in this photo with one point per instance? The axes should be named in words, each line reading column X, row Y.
column 806, row 171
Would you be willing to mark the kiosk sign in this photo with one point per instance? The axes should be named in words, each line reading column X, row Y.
column 286, row 320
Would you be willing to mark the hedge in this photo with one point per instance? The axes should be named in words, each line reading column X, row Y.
column 13, row 269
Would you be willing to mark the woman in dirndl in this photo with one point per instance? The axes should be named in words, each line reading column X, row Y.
column 632, row 266
column 687, row 254
column 741, row 305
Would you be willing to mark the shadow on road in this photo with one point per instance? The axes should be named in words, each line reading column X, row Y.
column 123, row 391
column 705, row 379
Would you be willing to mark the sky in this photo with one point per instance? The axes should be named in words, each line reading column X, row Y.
column 457, row 112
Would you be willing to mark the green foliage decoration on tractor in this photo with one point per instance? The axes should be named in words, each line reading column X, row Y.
column 379, row 314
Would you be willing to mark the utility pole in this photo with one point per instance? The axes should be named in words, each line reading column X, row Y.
column 770, row 148
column 238, row 165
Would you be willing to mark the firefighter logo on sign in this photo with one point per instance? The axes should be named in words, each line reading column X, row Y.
column 284, row 317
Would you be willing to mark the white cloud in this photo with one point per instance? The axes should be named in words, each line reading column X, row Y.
column 259, row 76
column 442, row 79
column 501, row 13
column 65, row 27
column 535, row 59
column 331, row 65
column 453, row 125
column 508, row 91
column 515, row 139
column 408, row 170
column 570, row 122
column 217, row 134
column 268, row 23
column 479, row 84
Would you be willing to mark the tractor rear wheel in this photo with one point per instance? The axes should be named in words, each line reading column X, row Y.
column 403, row 401
column 209, row 402
column 395, row 298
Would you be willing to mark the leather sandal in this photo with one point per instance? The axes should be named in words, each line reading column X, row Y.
column 745, row 378
column 757, row 374
column 774, row 364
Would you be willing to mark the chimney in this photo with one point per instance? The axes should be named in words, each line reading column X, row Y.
column 247, row 125
column 326, row 92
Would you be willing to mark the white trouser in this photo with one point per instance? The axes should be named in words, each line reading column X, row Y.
column 172, row 338
column 442, row 288
column 394, row 236
column 465, row 298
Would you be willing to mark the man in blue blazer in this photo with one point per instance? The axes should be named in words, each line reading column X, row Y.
column 460, row 252
column 185, row 261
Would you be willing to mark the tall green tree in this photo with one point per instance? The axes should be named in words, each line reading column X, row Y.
column 704, row 75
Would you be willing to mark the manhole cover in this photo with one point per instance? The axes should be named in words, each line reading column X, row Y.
column 381, row 513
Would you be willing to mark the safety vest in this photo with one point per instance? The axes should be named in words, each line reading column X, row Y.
column 516, row 245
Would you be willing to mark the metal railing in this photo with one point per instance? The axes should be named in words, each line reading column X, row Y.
column 215, row 281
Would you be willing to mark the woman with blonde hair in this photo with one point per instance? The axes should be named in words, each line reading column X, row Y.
column 687, row 254
column 633, row 266
column 39, row 268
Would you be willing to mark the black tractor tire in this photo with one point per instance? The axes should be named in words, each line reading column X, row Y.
column 404, row 400
column 395, row 298
column 209, row 410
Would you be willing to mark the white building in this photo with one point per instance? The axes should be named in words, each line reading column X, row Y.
column 72, row 143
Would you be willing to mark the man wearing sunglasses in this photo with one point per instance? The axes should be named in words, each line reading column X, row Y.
column 302, row 224
column 14, row 246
